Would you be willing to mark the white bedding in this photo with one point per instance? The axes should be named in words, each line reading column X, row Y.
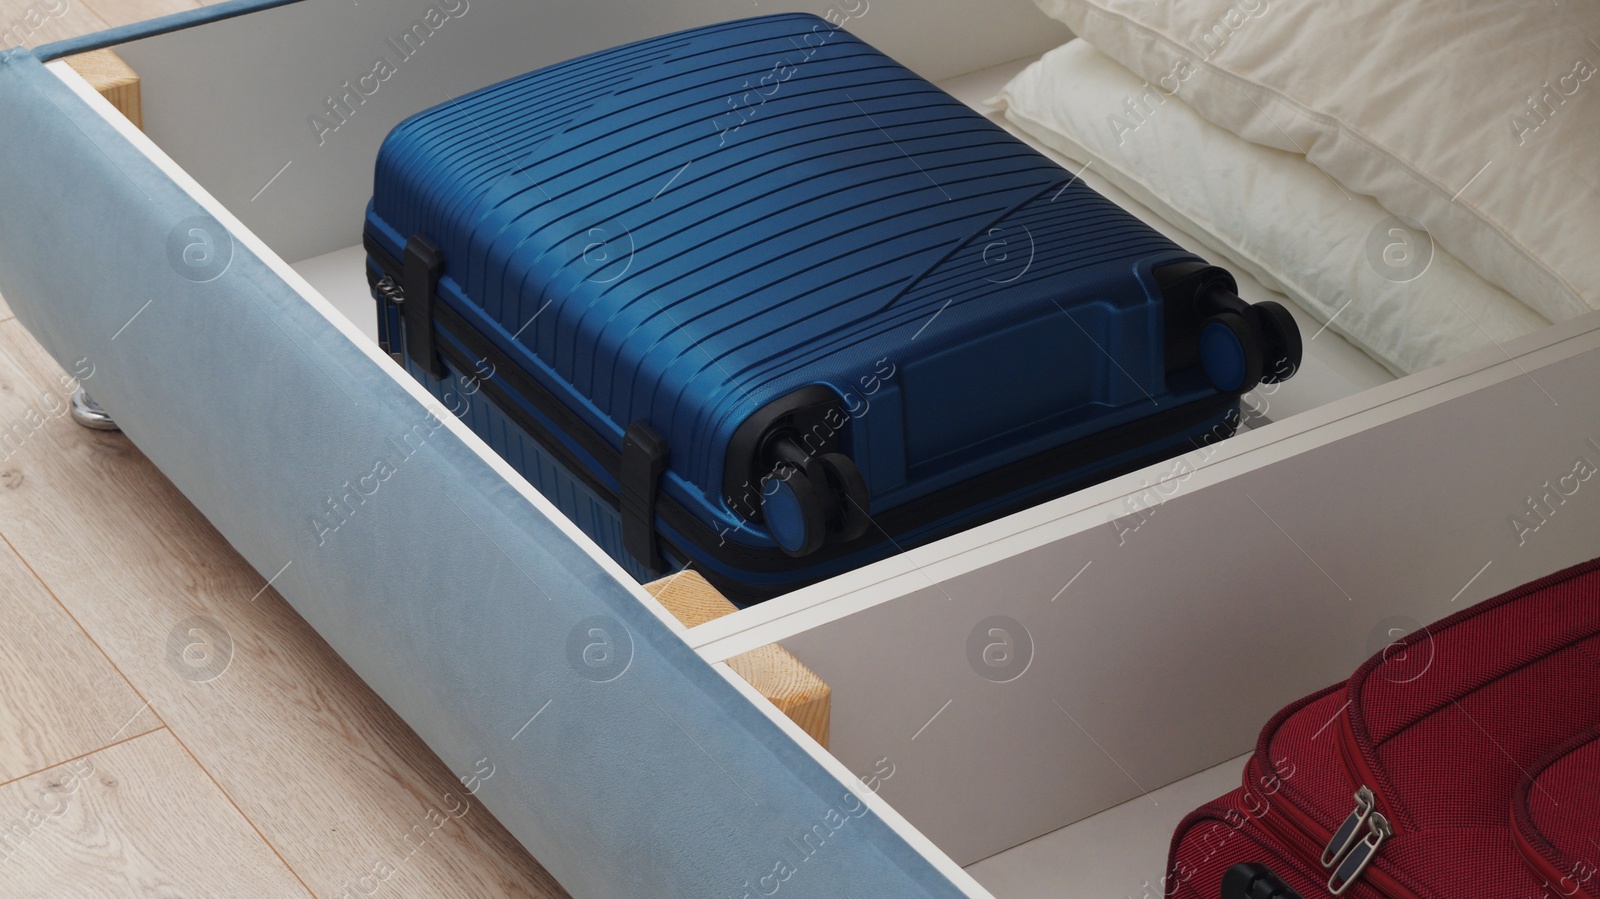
column 1340, row 256
column 1476, row 119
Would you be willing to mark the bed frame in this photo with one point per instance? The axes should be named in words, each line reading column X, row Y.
column 1146, row 626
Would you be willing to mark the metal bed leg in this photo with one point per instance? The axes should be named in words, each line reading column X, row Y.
column 87, row 412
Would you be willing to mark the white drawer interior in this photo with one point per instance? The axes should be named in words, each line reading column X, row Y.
column 1168, row 612
column 1166, row 623
column 1152, row 648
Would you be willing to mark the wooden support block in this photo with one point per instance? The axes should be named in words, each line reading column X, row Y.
column 107, row 73
column 795, row 689
column 775, row 673
column 690, row 598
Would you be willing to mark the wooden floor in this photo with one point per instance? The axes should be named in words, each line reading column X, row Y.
column 168, row 725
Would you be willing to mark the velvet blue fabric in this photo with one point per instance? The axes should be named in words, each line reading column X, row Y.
column 618, row 757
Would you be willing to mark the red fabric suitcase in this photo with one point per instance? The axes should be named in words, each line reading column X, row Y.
column 1556, row 818
column 1401, row 783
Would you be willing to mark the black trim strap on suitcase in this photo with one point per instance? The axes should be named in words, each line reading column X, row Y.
column 1251, row 880
column 644, row 460
column 420, row 274
column 707, row 540
column 644, row 457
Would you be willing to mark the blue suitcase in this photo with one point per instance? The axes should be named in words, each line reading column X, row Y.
column 756, row 298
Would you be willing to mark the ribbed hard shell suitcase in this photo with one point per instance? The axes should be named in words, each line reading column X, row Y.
column 756, row 297
column 1404, row 782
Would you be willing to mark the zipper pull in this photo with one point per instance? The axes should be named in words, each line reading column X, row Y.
column 392, row 296
column 1346, row 835
column 1350, row 869
column 390, row 291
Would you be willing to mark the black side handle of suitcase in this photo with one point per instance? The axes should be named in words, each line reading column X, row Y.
column 1251, row 880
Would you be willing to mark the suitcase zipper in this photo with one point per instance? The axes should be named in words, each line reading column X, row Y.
column 1351, row 849
column 390, row 296
column 1356, row 765
column 1362, row 834
column 390, row 291
column 1345, row 836
column 1355, row 864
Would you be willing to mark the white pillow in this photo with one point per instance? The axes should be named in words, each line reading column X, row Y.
column 1268, row 212
column 1478, row 120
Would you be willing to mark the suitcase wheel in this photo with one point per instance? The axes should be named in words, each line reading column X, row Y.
column 1250, row 880
column 849, row 489
column 807, row 500
column 1230, row 352
column 791, row 505
column 1239, row 344
column 1283, row 349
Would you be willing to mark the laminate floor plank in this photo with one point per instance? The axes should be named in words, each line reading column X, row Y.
column 137, row 819
column 126, row 12
column 29, row 23
column 61, row 697
column 326, row 773
column 333, row 779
